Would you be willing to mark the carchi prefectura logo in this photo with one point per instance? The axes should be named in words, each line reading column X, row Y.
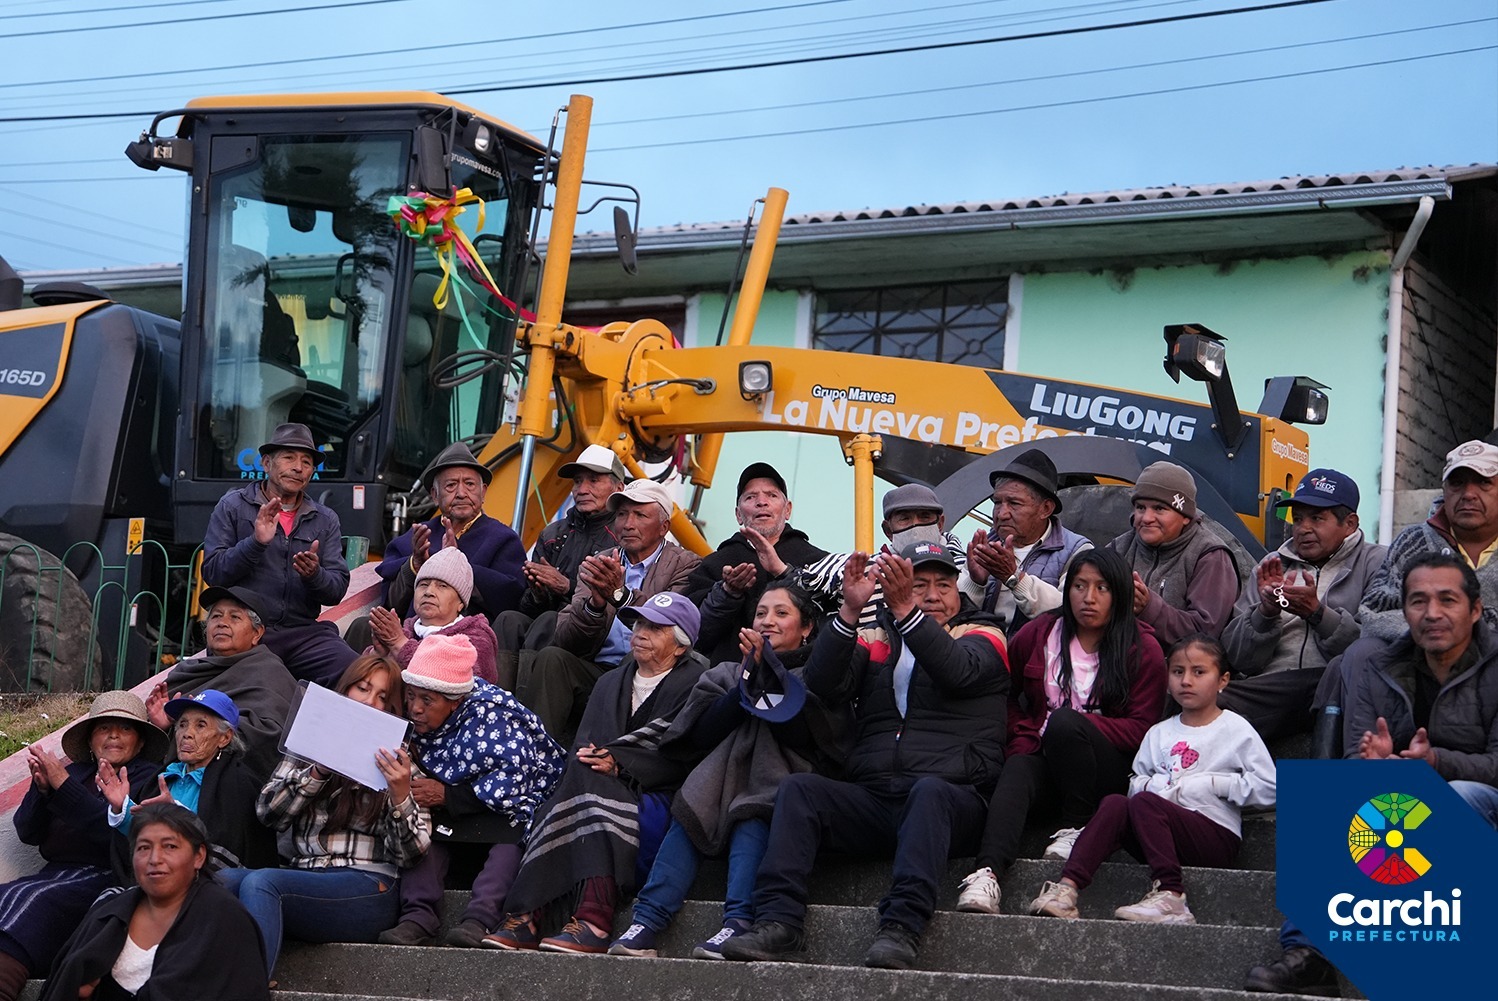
column 1378, row 838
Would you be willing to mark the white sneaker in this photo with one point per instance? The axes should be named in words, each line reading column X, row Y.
column 1061, row 843
column 1059, row 900
column 979, row 892
column 1160, row 907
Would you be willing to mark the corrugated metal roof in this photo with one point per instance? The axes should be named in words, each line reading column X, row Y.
column 1291, row 189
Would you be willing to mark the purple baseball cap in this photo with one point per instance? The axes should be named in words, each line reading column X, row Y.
column 665, row 609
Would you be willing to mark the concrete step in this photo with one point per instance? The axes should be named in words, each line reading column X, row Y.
column 1006, row 944
column 444, row 975
column 1257, row 851
column 1217, row 896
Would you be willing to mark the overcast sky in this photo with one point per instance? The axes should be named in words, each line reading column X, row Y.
column 1326, row 86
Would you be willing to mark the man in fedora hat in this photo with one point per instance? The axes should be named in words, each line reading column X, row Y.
column 458, row 482
column 273, row 539
column 1022, row 560
column 238, row 664
column 728, row 582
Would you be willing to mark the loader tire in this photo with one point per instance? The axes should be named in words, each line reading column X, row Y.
column 44, row 615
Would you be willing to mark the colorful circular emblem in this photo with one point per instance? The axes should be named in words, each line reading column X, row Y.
column 1378, row 834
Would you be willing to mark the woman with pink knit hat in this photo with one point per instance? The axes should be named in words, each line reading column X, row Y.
column 484, row 764
column 443, row 586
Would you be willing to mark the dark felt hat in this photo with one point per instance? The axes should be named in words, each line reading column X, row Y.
column 453, row 456
column 253, row 600
column 295, row 436
column 1035, row 468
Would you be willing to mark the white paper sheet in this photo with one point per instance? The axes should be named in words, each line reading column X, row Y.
column 341, row 735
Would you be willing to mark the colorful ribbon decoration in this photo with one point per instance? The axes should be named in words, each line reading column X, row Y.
column 429, row 220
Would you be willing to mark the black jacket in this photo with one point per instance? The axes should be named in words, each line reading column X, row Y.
column 954, row 723
column 213, row 950
column 724, row 615
column 69, row 824
column 565, row 544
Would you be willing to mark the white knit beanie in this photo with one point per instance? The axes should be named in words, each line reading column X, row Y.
column 451, row 567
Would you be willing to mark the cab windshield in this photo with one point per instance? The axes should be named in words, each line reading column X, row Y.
column 296, row 312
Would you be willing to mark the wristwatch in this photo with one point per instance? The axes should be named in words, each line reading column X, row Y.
column 620, row 596
column 1013, row 579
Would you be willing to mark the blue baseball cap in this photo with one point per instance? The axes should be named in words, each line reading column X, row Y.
column 768, row 690
column 212, row 700
column 1324, row 488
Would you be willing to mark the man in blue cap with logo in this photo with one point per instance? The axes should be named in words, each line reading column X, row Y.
column 1300, row 608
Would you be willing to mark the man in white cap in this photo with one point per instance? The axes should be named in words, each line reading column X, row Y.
column 275, row 540
column 1464, row 524
column 589, row 640
column 551, row 572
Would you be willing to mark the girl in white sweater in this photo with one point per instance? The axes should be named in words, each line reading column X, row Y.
column 1192, row 776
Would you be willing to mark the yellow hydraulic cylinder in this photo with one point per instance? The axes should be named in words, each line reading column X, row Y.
column 534, row 409
column 745, row 313
column 861, row 450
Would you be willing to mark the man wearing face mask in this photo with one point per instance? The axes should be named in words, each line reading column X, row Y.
column 728, row 582
column 912, row 513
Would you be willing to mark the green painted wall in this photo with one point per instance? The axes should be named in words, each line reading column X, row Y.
column 1320, row 317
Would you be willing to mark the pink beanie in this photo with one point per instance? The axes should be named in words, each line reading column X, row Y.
column 443, row 664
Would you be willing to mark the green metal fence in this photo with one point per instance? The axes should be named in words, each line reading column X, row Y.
column 122, row 622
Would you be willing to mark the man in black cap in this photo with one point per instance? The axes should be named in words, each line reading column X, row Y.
column 912, row 513
column 239, row 665
column 274, row 540
column 1022, row 559
column 728, row 582
column 928, row 690
column 457, row 482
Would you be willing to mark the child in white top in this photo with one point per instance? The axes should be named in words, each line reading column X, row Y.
column 1192, row 776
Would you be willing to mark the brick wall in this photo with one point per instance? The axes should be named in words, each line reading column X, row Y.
column 1446, row 376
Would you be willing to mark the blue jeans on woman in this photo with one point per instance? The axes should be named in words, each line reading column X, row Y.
column 315, row 905
column 676, row 867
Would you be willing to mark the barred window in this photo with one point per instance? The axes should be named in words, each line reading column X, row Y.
column 960, row 323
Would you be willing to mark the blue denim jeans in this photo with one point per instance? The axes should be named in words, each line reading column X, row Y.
column 326, row 905
column 1481, row 797
column 676, row 867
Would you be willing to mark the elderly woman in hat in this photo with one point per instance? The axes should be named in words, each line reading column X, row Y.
column 600, row 830
column 444, row 585
column 1186, row 577
column 210, row 777
column 485, row 763
column 63, row 815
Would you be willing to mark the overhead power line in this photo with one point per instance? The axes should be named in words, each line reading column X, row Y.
column 923, row 119
column 900, row 50
column 205, row 17
column 801, row 60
